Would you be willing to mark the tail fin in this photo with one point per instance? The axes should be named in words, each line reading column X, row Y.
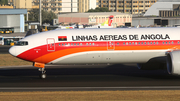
column 108, row 22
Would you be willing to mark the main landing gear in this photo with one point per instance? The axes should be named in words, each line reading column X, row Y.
column 43, row 73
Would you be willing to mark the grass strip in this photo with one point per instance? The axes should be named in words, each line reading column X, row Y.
column 9, row 60
column 149, row 95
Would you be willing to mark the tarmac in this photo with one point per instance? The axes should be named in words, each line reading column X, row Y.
column 4, row 49
column 14, row 34
column 86, row 78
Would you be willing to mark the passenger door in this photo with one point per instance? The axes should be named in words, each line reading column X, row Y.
column 110, row 45
column 50, row 44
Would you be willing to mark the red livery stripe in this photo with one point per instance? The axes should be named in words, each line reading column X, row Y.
column 40, row 54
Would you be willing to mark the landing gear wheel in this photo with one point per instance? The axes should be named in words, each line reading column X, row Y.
column 43, row 73
column 43, row 76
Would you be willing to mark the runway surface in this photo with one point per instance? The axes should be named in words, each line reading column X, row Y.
column 4, row 49
column 86, row 77
column 14, row 34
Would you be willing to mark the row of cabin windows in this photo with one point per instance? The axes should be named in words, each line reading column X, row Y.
column 74, row 44
column 144, row 43
column 124, row 43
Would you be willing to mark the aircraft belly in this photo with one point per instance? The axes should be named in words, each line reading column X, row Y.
column 111, row 57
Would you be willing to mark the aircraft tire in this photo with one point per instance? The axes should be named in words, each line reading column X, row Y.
column 43, row 76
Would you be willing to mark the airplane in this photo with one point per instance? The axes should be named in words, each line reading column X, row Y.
column 150, row 48
column 66, row 27
column 106, row 24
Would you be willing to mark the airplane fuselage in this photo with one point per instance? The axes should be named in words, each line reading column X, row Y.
column 96, row 46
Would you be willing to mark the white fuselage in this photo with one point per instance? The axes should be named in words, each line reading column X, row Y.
column 96, row 46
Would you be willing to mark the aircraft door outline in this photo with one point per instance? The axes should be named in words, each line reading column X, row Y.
column 110, row 45
column 50, row 44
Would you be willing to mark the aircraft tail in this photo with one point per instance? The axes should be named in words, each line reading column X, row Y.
column 108, row 22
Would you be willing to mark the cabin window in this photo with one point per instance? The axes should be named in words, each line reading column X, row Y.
column 71, row 44
column 142, row 43
column 136, row 43
column 157, row 43
column 66, row 44
column 81, row 44
column 139, row 43
column 59, row 44
column 172, row 42
column 151, row 43
column 133, row 43
column 126, row 43
column 169, row 42
column 130, row 43
column 93, row 44
column 62, row 44
column 78, row 44
column 87, row 44
column 163, row 42
column 154, row 42
column 148, row 43
column 123, row 43
column 118, row 43
column 74, row 44
column 178, row 42
column 166, row 42
column 145, row 43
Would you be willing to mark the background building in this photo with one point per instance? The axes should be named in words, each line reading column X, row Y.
column 83, row 5
column 127, row 6
column 64, row 6
column 6, row 6
column 10, row 2
column 156, row 21
column 57, row 6
column 92, row 4
column 161, row 5
column 13, row 18
column 162, row 13
column 21, row 4
column 96, row 18
column 170, row 13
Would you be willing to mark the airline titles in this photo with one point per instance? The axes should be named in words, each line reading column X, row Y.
column 120, row 37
